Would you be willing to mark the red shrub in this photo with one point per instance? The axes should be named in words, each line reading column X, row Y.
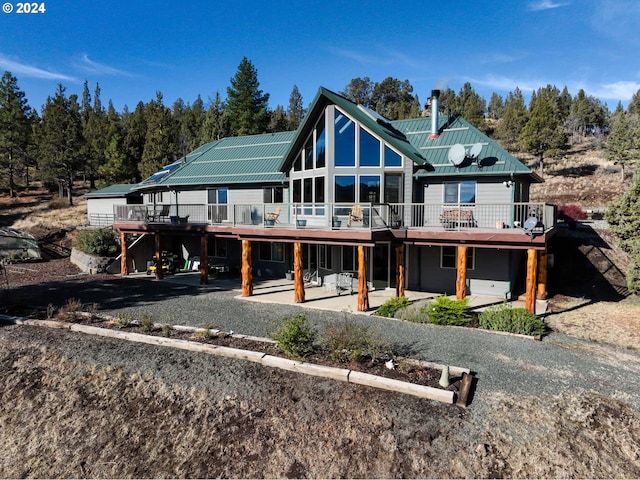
column 571, row 212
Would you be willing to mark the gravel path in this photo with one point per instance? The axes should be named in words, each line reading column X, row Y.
column 501, row 363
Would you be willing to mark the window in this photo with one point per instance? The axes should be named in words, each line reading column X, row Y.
column 369, row 150
column 324, row 256
column 272, row 195
column 319, row 195
column 217, row 199
column 349, row 259
column 217, row 195
column 391, row 158
column 393, row 188
column 370, row 188
column 449, row 257
column 308, row 153
column 461, row 192
column 345, row 188
column 320, row 144
column 271, row 252
column 307, row 193
column 297, row 191
column 297, row 164
column 345, row 141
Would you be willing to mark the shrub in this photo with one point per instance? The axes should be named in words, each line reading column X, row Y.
column 444, row 311
column 346, row 341
column 102, row 241
column 413, row 313
column 513, row 320
column 571, row 212
column 294, row 336
column 146, row 322
column 391, row 306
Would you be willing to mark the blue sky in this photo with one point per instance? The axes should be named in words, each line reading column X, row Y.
column 182, row 49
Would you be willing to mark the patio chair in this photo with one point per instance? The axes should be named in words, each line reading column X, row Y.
column 355, row 215
column 273, row 216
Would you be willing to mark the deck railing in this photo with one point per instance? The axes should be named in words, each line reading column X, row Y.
column 457, row 216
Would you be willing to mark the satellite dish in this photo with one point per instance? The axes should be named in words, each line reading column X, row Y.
column 475, row 150
column 530, row 223
column 457, row 154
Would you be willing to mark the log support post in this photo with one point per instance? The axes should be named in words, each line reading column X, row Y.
column 124, row 261
column 204, row 260
column 400, row 270
column 542, row 275
column 363, row 292
column 461, row 275
column 298, row 273
column 530, row 290
column 158, row 245
column 247, row 275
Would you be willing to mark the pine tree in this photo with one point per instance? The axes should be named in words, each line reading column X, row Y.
column 94, row 130
column 278, row 121
column 622, row 146
column 135, row 134
column 246, row 104
column 634, row 105
column 216, row 124
column 587, row 116
column 472, row 106
column 295, row 112
column 160, row 144
column 543, row 135
column 15, row 130
column 359, row 90
column 513, row 121
column 392, row 98
column 61, row 141
column 495, row 110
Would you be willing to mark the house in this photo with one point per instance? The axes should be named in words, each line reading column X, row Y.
column 428, row 204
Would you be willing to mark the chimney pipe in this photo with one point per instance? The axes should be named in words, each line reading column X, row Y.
column 435, row 95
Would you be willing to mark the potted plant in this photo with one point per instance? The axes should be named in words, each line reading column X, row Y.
column 301, row 223
column 336, row 222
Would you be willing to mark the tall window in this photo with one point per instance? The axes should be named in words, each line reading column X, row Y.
column 345, row 188
column 370, row 188
column 391, row 158
column 369, row 150
column 449, row 257
column 460, row 192
column 308, row 153
column 320, row 144
column 393, row 188
column 297, row 190
column 217, row 199
column 345, row 141
column 349, row 259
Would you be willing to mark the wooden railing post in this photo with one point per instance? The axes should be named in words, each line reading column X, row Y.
column 530, row 296
column 298, row 273
column 461, row 274
column 400, row 270
column 247, row 275
column 124, row 263
column 204, row 260
column 363, row 292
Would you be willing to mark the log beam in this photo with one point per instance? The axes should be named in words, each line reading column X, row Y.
column 247, row 275
column 204, row 260
column 532, row 268
column 158, row 245
column 363, row 291
column 542, row 275
column 124, row 261
column 400, row 270
column 298, row 273
column 461, row 274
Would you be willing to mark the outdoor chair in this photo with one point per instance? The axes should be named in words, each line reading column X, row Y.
column 355, row 215
column 273, row 216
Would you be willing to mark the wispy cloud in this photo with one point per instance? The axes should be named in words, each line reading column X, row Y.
column 621, row 90
column 88, row 65
column 545, row 5
column 379, row 57
column 22, row 69
column 502, row 83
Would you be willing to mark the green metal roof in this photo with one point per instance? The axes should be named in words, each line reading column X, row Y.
column 492, row 160
column 380, row 126
column 120, row 190
column 234, row 160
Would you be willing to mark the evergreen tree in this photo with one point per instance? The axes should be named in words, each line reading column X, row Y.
column 216, row 124
column 94, row 130
column 160, row 144
column 246, row 104
column 587, row 116
column 472, row 106
column 448, row 101
column 495, row 110
column 634, row 105
column 295, row 112
column 135, row 134
column 392, row 98
column 15, row 130
column 564, row 104
column 61, row 141
column 278, row 121
column 623, row 217
column 543, row 135
column 359, row 90
column 622, row 146
column 513, row 121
